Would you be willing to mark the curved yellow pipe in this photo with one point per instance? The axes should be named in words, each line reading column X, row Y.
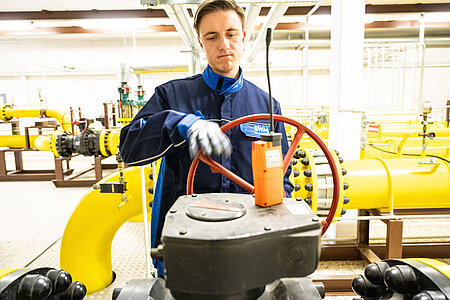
column 435, row 264
column 397, row 183
column 4, row 272
column 8, row 112
column 86, row 243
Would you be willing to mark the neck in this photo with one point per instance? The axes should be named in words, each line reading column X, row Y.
column 232, row 74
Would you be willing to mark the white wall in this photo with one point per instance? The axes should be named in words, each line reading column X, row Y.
column 28, row 64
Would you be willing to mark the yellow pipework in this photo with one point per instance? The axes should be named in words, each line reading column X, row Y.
column 43, row 143
column 385, row 184
column 4, row 272
column 397, row 130
column 86, row 244
column 17, row 141
column 404, row 139
column 321, row 191
column 53, row 143
column 435, row 264
column 109, row 141
column 8, row 112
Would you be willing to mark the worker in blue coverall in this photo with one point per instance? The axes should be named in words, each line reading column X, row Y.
column 184, row 115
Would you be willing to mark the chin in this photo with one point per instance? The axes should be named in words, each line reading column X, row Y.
column 227, row 69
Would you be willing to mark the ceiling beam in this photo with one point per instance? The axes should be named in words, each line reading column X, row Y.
column 180, row 17
column 160, row 13
column 251, row 13
column 80, row 30
column 82, row 14
column 275, row 14
column 370, row 9
column 407, row 8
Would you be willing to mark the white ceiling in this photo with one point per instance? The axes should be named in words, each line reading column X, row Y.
column 7, row 33
column 38, row 5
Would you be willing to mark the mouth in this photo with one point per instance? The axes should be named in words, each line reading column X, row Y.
column 225, row 56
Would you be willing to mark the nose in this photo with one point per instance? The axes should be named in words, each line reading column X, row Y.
column 224, row 43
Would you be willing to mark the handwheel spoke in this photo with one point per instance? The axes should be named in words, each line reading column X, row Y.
column 291, row 151
column 218, row 168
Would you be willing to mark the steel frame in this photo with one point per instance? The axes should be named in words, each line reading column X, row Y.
column 76, row 179
column 393, row 248
column 21, row 174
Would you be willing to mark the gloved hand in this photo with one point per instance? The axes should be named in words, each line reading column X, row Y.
column 207, row 136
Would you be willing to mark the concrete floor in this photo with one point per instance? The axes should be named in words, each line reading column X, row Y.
column 33, row 216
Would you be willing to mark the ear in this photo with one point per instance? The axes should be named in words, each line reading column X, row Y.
column 244, row 35
column 200, row 42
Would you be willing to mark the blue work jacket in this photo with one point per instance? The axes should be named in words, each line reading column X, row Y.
column 153, row 133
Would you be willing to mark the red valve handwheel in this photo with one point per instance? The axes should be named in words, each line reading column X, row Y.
column 74, row 122
column 301, row 129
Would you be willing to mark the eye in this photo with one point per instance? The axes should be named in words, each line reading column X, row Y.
column 233, row 36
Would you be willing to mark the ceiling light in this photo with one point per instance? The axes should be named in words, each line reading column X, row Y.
column 16, row 25
column 437, row 17
column 113, row 23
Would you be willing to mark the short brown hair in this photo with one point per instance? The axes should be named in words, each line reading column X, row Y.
column 210, row 6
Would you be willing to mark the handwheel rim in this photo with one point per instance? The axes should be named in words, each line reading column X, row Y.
column 312, row 135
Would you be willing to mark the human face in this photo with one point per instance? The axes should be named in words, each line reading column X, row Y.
column 222, row 39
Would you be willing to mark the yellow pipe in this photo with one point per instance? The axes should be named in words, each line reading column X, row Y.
column 170, row 70
column 43, row 143
column 8, row 112
column 410, row 183
column 48, row 143
column 109, row 141
column 399, row 131
column 86, row 244
column 435, row 264
column 17, row 141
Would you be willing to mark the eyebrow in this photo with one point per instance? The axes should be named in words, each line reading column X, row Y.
column 215, row 32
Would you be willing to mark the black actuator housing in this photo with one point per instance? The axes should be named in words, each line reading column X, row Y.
column 217, row 246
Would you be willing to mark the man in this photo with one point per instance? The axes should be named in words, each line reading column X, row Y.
column 183, row 116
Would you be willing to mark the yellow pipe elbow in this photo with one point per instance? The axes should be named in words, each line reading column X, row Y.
column 63, row 119
column 8, row 112
column 87, row 239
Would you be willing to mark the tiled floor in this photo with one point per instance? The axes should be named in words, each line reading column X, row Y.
column 33, row 216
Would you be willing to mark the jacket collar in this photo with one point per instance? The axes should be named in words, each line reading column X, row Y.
column 222, row 84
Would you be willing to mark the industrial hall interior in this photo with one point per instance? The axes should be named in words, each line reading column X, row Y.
column 224, row 149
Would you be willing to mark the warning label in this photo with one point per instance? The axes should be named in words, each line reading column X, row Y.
column 273, row 158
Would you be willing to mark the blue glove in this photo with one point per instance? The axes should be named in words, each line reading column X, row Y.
column 204, row 135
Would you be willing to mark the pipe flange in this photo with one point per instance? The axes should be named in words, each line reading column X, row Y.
column 4, row 117
column 87, row 144
column 106, row 142
column 63, row 145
